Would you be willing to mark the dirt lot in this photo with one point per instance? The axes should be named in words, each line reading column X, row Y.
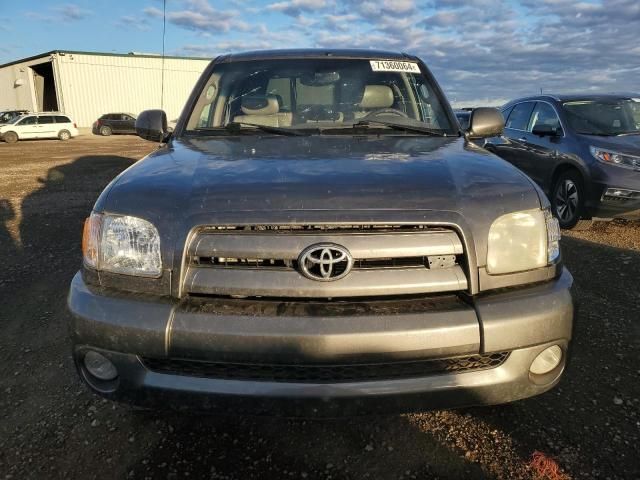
column 51, row 426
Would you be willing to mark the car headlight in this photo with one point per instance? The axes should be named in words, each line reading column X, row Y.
column 614, row 158
column 521, row 241
column 122, row 244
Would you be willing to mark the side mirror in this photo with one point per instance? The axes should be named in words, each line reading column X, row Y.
column 485, row 122
column 543, row 130
column 152, row 125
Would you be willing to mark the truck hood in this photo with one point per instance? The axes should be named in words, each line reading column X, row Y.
column 277, row 179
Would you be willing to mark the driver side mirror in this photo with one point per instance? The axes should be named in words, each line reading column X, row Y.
column 543, row 130
column 485, row 122
column 152, row 125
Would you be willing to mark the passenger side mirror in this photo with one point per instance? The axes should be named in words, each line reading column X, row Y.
column 485, row 122
column 152, row 125
column 543, row 130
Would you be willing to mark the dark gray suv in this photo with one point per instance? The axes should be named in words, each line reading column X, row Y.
column 318, row 237
column 583, row 150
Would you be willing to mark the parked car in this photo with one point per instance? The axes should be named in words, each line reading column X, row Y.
column 318, row 238
column 8, row 116
column 110, row 123
column 583, row 150
column 39, row 125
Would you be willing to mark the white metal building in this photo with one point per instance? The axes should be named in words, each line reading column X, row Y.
column 86, row 85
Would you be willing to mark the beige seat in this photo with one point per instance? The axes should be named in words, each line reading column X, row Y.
column 263, row 110
column 374, row 98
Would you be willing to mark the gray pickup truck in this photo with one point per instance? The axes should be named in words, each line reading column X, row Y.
column 318, row 237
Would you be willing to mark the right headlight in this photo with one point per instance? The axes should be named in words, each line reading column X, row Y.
column 614, row 158
column 521, row 241
column 122, row 244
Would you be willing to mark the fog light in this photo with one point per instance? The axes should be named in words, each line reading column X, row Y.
column 620, row 194
column 100, row 366
column 547, row 360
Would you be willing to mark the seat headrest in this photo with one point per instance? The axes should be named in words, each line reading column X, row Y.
column 377, row 96
column 260, row 105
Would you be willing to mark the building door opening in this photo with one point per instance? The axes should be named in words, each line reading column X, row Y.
column 45, row 87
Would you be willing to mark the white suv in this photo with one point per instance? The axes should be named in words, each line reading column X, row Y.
column 39, row 125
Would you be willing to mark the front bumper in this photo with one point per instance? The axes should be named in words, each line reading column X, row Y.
column 128, row 328
column 601, row 205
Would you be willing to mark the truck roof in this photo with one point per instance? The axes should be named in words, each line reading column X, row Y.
column 316, row 53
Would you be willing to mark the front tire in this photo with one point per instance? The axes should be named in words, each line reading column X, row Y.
column 567, row 199
column 105, row 131
column 10, row 137
column 64, row 135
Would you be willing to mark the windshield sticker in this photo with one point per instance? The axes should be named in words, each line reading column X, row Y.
column 394, row 66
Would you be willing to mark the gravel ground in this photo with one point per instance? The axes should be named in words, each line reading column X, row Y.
column 53, row 427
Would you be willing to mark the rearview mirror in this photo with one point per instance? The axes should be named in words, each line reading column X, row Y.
column 485, row 122
column 543, row 130
column 152, row 125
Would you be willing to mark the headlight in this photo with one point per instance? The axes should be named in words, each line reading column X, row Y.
column 522, row 241
column 615, row 158
column 122, row 244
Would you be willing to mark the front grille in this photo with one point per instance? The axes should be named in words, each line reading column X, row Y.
column 338, row 228
column 325, row 373
column 262, row 261
column 442, row 261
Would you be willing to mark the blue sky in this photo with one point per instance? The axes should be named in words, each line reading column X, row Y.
column 481, row 51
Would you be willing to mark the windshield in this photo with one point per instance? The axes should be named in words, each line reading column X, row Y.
column 600, row 117
column 315, row 94
column 463, row 119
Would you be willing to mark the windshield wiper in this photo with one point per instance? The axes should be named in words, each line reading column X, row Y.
column 633, row 132
column 237, row 126
column 400, row 126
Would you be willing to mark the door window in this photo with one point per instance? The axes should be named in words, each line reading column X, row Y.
column 519, row 117
column 544, row 114
column 45, row 120
column 506, row 112
column 61, row 119
column 28, row 121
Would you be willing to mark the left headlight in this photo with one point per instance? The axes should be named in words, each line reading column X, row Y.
column 614, row 158
column 521, row 241
column 122, row 244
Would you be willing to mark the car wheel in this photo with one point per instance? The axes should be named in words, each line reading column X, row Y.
column 64, row 135
column 105, row 130
column 567, row 199
column 10, row 137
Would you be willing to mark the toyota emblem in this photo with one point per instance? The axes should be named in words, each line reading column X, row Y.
column 325, row 262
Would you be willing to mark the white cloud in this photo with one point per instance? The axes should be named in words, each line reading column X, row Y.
column 478, row 49
column 295, row 8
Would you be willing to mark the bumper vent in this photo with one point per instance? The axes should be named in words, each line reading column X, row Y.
column 325, row 373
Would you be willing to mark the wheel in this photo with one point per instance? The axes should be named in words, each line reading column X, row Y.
column 64, row 135
column 105, row 130
column 567, row 198
column 10, row 137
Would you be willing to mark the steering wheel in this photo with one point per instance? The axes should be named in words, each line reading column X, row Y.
column 385, row 111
